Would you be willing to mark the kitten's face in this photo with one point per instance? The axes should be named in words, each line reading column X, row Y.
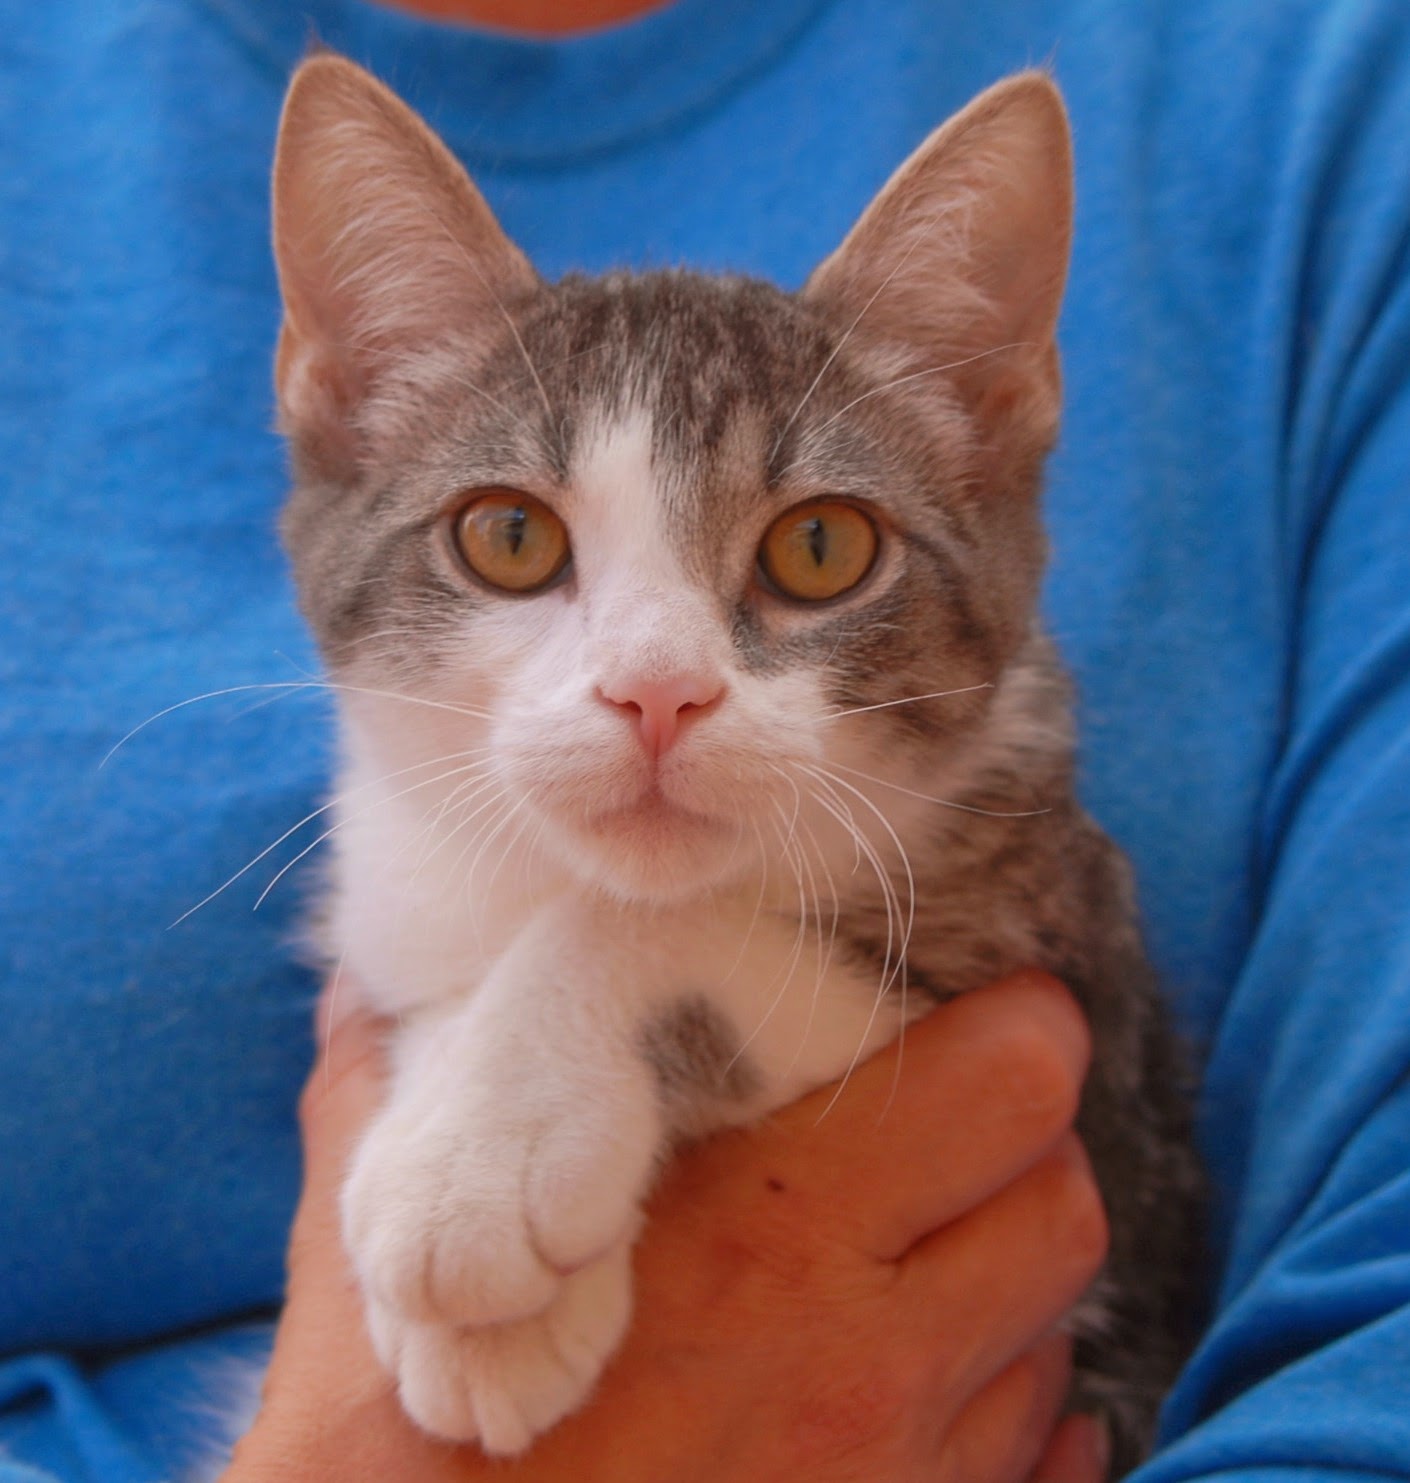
column 630, row 548
column 667, row 429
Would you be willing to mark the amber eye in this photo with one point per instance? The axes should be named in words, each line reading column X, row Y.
column 818, row 550
column 511, row 540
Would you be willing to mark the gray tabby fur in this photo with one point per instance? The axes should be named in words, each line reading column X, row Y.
column 755, row 399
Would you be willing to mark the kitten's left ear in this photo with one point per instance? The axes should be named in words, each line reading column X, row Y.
column 962, row 257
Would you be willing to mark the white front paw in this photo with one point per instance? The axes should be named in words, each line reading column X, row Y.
column 465, row 1219
column 494, row 1253
column 502, row 1385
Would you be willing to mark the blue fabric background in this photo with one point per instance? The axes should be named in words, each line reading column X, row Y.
column 1230, row 517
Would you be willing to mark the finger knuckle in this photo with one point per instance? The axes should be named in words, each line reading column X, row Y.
column 1078, row 1212
column 1044, row 1080
column 1040, row 1379
column 855, row 1408
column 995, row 1434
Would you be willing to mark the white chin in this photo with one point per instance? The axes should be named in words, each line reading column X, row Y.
column 655, row 854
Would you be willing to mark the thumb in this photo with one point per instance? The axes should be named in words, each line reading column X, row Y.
column 323, row 1312
column 344, row 1089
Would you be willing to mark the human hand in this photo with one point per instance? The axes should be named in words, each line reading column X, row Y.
column 869, row 1294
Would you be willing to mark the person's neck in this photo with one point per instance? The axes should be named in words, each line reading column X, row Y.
column 534, row 17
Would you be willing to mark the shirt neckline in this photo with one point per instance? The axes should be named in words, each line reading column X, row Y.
column 504, row 99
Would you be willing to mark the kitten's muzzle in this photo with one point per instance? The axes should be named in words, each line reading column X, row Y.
column 659, row 710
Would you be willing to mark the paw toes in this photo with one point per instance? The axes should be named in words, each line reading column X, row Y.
column 522, row 1385
column 473, row 1280
column 385, row 1328
column 592, row 1313
column 431, row 1381
column 502, row 1385
column 460, row 1275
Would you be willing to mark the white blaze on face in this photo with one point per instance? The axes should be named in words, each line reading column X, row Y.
column 650, row 819
column 644, row 619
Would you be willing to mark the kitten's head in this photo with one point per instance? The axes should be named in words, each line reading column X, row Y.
column 628, row 548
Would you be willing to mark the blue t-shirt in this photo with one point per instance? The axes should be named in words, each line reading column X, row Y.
column 1230, row 510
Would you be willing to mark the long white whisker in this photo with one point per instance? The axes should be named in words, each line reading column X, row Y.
column 895, row 840
column 496, row 800
column 786, row 975
column 457, row 793
column 498, row 810
column 405, row 630
column 530, row 858
column 332, row 803
column 786, row 843
column 837, row 349
column 861, row 710
column 824, row 952
column 837, row 807
column 465, row 793
column 794, row 852
column 290, row 686
column 758, row 901
column 953, row 365
column 285, row 685
column 909, row 930
column 504, row 312
column 328, row 834
column 511, row 809
column 964, row 808
column 524, row 822
column 475, row 712
column 889, row 974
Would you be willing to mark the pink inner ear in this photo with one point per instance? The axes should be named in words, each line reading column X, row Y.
column 383, row 245
column 963, row 255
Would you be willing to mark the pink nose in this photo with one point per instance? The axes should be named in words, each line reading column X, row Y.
column 658, row 708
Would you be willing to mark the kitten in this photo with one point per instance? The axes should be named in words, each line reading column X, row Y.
column 665, row 611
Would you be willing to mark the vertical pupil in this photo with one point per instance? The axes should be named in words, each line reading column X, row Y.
column 817, row 540
column 514, row 530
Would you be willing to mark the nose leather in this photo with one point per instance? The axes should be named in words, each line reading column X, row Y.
column 659, row 708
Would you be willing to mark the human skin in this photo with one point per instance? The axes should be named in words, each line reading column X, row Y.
column 534, row 17
column 870, row 1295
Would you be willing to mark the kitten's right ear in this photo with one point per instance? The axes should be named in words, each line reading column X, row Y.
column 383, row 246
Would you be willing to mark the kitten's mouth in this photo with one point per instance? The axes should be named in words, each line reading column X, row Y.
column 655, row 849
column 651, row 810
column 654, row 829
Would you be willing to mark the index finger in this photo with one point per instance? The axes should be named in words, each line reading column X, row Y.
column 976, row 1093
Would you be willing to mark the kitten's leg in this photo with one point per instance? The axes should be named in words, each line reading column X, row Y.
column 491, row 1209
